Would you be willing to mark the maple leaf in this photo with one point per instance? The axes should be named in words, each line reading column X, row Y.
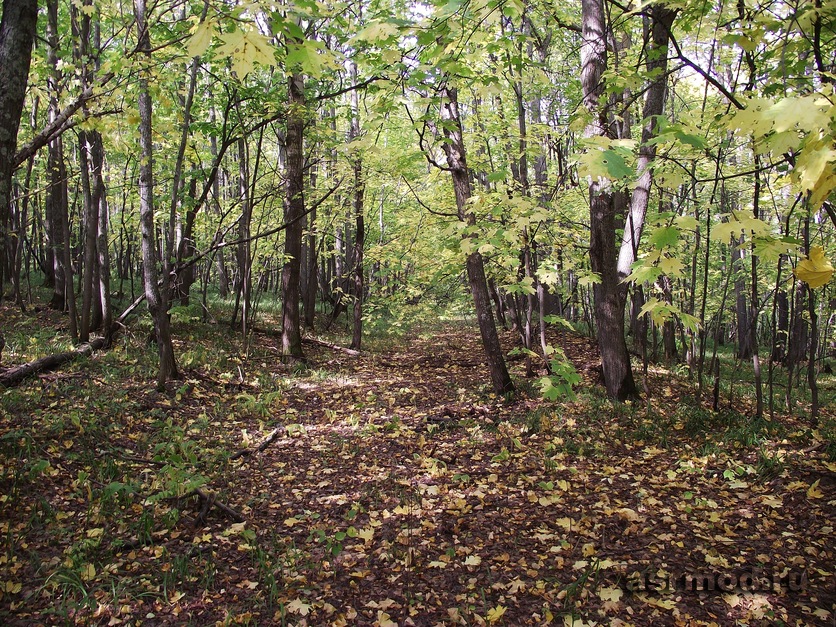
column 813, row 491
column 610, row 594
column 201, row 38
column 298, row 606
column 494, row 614
column 815, row 270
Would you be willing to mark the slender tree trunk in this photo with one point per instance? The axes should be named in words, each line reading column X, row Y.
column 814, row 338
column 244, row 256
column 294, row 210
column 454, row 150
column 669, row 328
column 102, row 246
column 744, row 337
column 359, row 219
column 309, row 281
column 156, row 304
column 174, row 248
column 91, row 232
column 753, row 308
column 609, row 299
column 654, row 105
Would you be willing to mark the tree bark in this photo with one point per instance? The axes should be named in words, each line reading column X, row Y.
column 359, row 221
column 457, row 163
column 654, row 105
column 17, row 34
column 609, row 296
column 156, row 304
column 294, row 209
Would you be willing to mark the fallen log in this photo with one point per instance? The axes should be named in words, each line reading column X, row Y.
column 15, row 375
column 336, row 347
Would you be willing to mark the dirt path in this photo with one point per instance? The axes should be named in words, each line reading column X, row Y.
column 401, row 492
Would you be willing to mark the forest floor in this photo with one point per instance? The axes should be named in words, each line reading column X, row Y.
column 393, row 489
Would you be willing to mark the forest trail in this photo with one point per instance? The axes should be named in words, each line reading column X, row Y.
column 399, row 491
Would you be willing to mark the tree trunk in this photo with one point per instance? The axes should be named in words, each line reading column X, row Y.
column 669, row 327
column 17, row 34
column 244, row 253
column 654, row 105
column 156, row 304
column 744, row 346
column 294, row 210
column 609, row 298
column 457, row 163
column 359, row 220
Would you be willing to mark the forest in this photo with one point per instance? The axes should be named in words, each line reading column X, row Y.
column 417, row 312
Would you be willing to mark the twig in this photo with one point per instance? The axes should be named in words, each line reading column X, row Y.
column 260, row 448
column 214, row 502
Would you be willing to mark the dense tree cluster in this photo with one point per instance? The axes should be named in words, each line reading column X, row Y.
column 661, row 174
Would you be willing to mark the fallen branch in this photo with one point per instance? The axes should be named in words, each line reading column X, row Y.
column 260, row 448
column 336, row 347
column 209, row 501
column 15, row 375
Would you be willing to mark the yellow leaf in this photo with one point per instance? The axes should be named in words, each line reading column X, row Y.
column 298, row 606
column 772, row 501
column 11, row 586
column 201, row 38
column 495, row 614
column 472, row 560
column 815, row 270
column 610, row 594
column 289, row 522
column 384, row 620
column 813, row 491
column 88, row 571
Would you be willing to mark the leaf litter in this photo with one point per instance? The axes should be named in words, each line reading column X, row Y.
column 395, row 489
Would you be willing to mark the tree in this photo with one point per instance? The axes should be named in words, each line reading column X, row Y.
column 609, row 299
column 454, row 150
column 17, row 34
column 294, row 211
column 359, row 220
column 156, row 304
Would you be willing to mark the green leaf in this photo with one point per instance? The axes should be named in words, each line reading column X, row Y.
column 664, row 236
column 606, row 164
column 377, row 32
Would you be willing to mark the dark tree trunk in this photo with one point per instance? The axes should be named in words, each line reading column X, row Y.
column 744, row 346
column 457, row 163
column 17, row 34
column 359, row 221
column 294, row 210
column 669, row 327
column 779, row 342
column 609, row 296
